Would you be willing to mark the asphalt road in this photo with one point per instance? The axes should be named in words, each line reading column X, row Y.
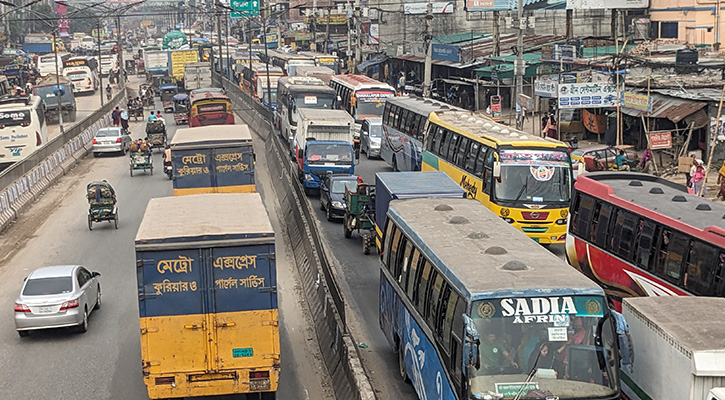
column 105, row 362
column 85, row 105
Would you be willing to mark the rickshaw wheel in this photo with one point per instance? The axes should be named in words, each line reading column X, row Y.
column 366, row 243
column 345, row 230
column 90, row 223
column 115, row 220
column 152, row 169
column 131, row 170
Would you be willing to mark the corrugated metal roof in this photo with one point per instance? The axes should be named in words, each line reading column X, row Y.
column 668, row 107
column 699, row 119
column 456, row 38
column 453, row 64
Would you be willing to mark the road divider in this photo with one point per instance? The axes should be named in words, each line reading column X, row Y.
column 25, row 181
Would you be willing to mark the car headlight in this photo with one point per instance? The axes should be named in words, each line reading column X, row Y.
column 309, row 177
column 338, row 204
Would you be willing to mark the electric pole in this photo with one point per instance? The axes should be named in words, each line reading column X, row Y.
column 428, row 71
column 520, row 64
column 358, row 33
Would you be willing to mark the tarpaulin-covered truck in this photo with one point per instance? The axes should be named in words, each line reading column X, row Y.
column 47, row 89
column 213, row 159
column 177, row 61
column 207, row 297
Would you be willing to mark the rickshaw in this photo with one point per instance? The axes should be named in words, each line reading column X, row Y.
column 141, row 160
column 359, row 215
column 130, row 67
column 148, row 101
column 101, row 203
column 168, row 91
column 181, row 108
column 156, row 132
column 140, row 68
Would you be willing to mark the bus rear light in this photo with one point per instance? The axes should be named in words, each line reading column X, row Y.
column 259, row 380
column 258, row 374
column 166, row 380
column 24, row 124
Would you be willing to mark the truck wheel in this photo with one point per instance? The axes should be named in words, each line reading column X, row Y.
column 366, row 244
column 345, row 229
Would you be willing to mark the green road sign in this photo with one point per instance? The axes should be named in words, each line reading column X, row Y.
column 245, row 8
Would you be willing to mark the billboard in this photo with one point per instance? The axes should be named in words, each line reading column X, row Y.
column 505, row 5
column 587, row 95
column 605, row 4
column 446, row 52
column 439, row 7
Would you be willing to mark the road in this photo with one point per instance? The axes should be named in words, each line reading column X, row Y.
column 85, row 105
column 104, row 363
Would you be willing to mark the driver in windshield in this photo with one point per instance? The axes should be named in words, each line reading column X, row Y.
column 494, row 355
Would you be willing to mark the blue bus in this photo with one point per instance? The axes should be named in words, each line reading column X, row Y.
column 404, row 123
column 476, row 310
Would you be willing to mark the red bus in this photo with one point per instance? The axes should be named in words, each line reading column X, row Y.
column 640, row 235
column 210, row 108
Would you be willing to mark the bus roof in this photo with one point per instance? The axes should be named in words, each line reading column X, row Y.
column 690, row 320
column 653, row 195
column 288, row 56
column 212, row 136
column 207, row 95
column 324, row 114
column 481, row 254
column 262, row 67
column 204, row 216
column 420, row 105
column 478, row 126
column 358, row 82
column 304, row 84
column 316, row 55
column 8, row 102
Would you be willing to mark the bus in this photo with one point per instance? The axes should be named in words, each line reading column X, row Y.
column 473, row 307
column 83, row 72
column 47, row 63
column 288, row 61
column 254, row 82
column 23, row 128
column 295, row 92
column 524, row 179
column 640, row 235
column 361, row 96
column 5, row 88
column 108, row 61
column 404, row 122
column 323, row 60
column 210, row 108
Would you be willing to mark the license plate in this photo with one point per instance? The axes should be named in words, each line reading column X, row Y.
column 45, row 310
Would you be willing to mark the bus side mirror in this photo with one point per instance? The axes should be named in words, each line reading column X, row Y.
column 497, row 170
column 470, row 358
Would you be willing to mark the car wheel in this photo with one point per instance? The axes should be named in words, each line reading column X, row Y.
column 367, row 153
column 95, row 154
column 322, row 205
column 98, row 299
column 23, row 333
column 328, row 214
column 83, row 326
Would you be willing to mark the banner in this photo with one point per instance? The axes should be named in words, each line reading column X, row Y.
column 595, row 123
column 587, row 95
column 660, row 140
column 506, row 5
column 496, row 107
column 439, row 7
column 635, row 101
column 546, row 86
column 446, row 52
column 605, row 4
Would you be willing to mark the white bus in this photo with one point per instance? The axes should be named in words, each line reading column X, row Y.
column 47, row 63
column 361, row 96
column 289, row 61
column 22, row 128
column 295, row 92
column 109, row 62
column 82, row 71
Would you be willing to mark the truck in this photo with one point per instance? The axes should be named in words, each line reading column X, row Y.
column 46, row 89
column 197, row 75
column 321, row 73
column 38, row 48
column 213, row 159
column 177, row 61
column 678, row 347
column 207, row 297
column 156, row 63
column 323, row 144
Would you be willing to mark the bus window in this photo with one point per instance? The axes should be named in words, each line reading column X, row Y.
column 623, row 234
column 699, row 271
column 422, row 287
column 433, row 301
column 583, row 215
column 595, row 222
column 436, row 137
column 392, row 253
column 388, row 237
column 480, row 162
column 719, row 278
column 412, row 273
column 471, row 158
column 675, row 255
column 456, row 336
column 462, row 152
column 403, row 268
column 450, row 307
column 645, row 247
column 453, row 147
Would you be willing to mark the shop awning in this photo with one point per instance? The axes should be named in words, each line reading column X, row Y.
column 371, row 62
column 670, row 108
column 444, row 63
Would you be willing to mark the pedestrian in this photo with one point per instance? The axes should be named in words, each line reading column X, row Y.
column 116, row 116
column 544, row 122
column 401, row 83
column 721, row 182
column 698, row 180
column 688, row 175
column 647, row 164
column 623, row 337
column 124, row 120
column 551, row 128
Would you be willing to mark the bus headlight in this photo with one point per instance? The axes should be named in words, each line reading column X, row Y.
column 509, row 220
column 561, row 221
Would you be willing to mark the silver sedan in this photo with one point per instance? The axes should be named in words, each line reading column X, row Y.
column 111, row 140
column 57, row 297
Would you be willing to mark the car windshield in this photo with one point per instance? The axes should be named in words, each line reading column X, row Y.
column 534, row 177
column 48, row 286
column 338, row 186
column 577, row 152
column 370, row 108
column 376, row 131
column 329, row 153
column 107, row 133
column 564, row 343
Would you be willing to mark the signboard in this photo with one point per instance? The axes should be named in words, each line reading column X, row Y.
column 446, row 52
column 587, row 95
column 512, row 390
column 660, row 140
column 605, row 4
column 179, row 58
column 244, row 8
column 374, row 37
column 526, row 101
column 439, row 7
column 505, row 5
column 546, row 86
column 635, row 101
column 496, row 107
column 564, row 52
column 594, row 123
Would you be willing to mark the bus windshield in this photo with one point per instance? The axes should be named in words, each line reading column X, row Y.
column 534, row 176
column 562, row 342
column 314, row 101
column 371, row 103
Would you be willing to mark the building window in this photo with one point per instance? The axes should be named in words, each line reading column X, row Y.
column 668, row 30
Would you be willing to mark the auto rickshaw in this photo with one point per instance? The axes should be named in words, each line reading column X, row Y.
column 359, row 215
column 181, row 108
column 130, row 67
column 168, row 91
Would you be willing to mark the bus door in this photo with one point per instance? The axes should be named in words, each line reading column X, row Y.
column 244, row 323
column 172, row 308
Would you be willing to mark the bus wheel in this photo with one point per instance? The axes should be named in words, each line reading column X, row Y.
column 401, row 363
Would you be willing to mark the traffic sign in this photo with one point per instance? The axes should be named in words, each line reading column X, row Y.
column 244, row 8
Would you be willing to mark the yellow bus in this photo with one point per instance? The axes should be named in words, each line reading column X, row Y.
column 524, row 179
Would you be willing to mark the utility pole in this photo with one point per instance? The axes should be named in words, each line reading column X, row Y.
column 100, row 69
column 266, row 60
column 313, row 24
column 358, row 33
column 520, row 62
column 219, row 40
column 496, row 34
column 58, row 88
column 121, row 65
column 428, row 71
column 327, row 32
column 350, row 65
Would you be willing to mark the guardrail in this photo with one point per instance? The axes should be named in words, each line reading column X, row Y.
column 314, row 262
column 23, row 182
